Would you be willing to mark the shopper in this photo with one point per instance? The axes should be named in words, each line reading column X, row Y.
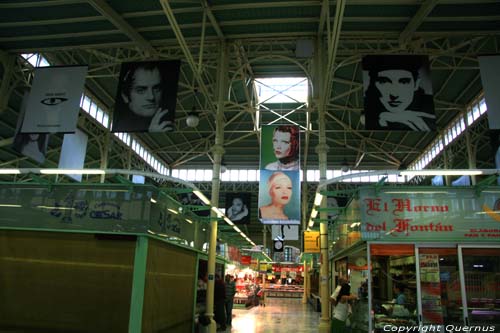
column 219, row 302
column 230, row 292
column 342, row 307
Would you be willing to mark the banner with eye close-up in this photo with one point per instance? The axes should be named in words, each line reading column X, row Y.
column 279, row 186
column 54, row 99
column 146, row 96
column 398, row 93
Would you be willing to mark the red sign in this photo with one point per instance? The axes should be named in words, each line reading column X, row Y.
column 278, row 269
column 246, row 260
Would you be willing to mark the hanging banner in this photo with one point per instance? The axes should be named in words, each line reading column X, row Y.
column 490, row 77
column 238, row 207
column 32, row 145
column 279, row 186
column 280, row 148
column 54, row 100
column 285, row 232
column 73, row 151
column 146, row 97
column 454, row 215
column 398, row 93
column 311, row 242
column 279, row 197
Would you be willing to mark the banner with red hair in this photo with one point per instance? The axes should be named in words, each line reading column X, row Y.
column 279, row 187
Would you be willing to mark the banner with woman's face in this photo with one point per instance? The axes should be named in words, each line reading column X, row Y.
column 279, row 197
column 280, row 147
column 238, row 207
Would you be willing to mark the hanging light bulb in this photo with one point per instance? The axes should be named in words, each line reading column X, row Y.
column 344, row 166
column 192, row 119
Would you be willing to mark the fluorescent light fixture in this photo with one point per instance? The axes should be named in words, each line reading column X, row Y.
column 10, row 171
column 482, row 213
column 416, row 192
column 317, row 199
column 152, row 200
column 242, row 234
column 314, row 213
column 355, row 224
column 228, row 221
column 52, row 207
column 189, row 221
column 311, row 223
column 461, row 172
column 72, row 171
column 10, row 205
column 173, row 211
column 236, row 228
column 490, row 191
column 202, row 197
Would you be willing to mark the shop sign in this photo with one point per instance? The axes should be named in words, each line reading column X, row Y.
column 311, row 242
column 246, row 260
column 445, row 215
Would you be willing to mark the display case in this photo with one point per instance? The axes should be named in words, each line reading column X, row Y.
column 292, row 291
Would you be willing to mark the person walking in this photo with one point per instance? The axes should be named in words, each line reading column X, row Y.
column 230, row 292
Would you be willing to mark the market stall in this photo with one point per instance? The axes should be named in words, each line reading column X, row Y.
column 427, row 257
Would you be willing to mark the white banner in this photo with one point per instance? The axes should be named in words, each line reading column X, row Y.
column 285, row 232
column 54, row 100
column 490, row 77
column 73, row 152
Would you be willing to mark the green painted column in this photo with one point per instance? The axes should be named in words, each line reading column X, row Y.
column 322, row 150
column 138, row 285
column 218, row 151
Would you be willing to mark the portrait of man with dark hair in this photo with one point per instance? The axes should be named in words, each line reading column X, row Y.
column 147, row 96
column 398, row 93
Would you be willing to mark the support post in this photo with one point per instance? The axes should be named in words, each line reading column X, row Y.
column 305, row 296
column 218, row 151
column 138, row 284
column 471, row 156
column 105, row 154
column 322, row 150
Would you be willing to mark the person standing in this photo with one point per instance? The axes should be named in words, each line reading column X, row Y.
column 230, row 292
column 340, row 299
column 219, row 302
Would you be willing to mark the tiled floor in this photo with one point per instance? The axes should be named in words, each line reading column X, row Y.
column 280, row 315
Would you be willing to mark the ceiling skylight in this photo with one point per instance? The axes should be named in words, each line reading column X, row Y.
column 281, row 90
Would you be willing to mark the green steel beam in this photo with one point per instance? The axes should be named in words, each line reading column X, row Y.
column 138, row 285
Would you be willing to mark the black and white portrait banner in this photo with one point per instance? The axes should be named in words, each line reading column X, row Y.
column 398, row 93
